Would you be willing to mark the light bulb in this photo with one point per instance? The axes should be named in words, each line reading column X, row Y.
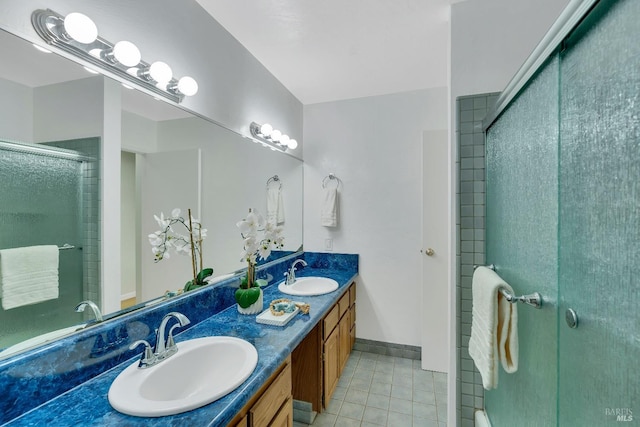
column 266, row 129
column 188, row 86
column 160, row 72
column 293, row 144
column 127, row 53
column 80, row 28
column 275, row 135
column 284, row 140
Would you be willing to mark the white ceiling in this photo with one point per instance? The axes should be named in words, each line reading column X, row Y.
column 339, row 49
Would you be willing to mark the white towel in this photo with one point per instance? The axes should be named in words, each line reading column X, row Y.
column 494, row 327
column 275, row 206
column 329, row 213
column 28, row 275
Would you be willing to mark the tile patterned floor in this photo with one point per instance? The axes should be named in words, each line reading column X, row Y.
column 376, row 390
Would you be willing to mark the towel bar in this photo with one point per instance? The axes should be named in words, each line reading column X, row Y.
column 65, row 247
column 274, row 178
column 534, row 299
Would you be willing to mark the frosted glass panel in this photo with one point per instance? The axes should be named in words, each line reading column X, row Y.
column 600, row 221
column 40, row 204
column 522, row 201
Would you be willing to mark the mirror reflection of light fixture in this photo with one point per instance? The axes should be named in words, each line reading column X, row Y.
column 271, row 137
column 78, row 35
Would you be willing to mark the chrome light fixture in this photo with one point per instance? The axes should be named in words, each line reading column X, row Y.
column 78, row 35
column 271, row 137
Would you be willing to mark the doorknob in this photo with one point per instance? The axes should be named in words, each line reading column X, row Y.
column 428, row 252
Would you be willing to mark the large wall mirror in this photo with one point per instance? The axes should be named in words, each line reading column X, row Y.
column 170, row 159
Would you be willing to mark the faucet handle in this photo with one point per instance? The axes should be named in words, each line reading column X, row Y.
column 148, row 358
column 170, row 341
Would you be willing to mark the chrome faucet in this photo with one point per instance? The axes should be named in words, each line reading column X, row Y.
column 96, row 311
column 164, row 349
column 291, row 274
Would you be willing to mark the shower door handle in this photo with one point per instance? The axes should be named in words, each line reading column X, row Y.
column 571, row 317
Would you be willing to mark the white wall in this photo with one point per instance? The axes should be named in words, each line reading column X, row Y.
column 374, row 145
column 234, row 87
column 139, row 134
column 69, row 110
column 490, row 40
column 16, row 116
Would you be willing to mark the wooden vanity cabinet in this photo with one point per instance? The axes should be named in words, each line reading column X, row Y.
column 318, row 361
column 272, row 405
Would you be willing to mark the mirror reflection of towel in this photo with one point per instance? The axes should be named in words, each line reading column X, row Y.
column 329, row 213
column 275, row 206
column 28, row 275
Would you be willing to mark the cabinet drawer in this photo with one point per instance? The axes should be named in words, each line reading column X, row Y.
column 330, row 321
column 270, row 402
column 344, row 304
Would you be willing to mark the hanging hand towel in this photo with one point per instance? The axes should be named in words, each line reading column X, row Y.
column 28, row 275
column 275, row 206
column 329, row 213
column 494, row 327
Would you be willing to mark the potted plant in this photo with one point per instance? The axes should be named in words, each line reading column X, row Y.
column 249, row 297
column 191, row 244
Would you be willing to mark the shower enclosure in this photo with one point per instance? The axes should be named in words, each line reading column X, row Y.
column 563, row 219
column 49, row 196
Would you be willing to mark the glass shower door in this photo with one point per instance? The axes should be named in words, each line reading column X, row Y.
column 599, row 220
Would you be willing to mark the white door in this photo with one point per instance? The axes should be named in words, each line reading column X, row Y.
column 435, row 251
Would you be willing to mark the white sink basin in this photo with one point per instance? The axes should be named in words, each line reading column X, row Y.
column 202, row 371
column 307, row 286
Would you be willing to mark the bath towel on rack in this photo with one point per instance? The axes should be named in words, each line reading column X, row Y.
column 28, row 275
column 494, row 327
column 275, row 206
column 329, row 212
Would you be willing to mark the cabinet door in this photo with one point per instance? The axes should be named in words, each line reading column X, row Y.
column 331, row 364
column 244, row 422
column 284, row 418
column 265, row 409
column 345, row 339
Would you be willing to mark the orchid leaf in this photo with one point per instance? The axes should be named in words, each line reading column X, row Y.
column 189, row 286
column 261, row 283
column 204, row 273
column 246, row 297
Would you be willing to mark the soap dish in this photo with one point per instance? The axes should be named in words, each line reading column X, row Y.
column 268, row 318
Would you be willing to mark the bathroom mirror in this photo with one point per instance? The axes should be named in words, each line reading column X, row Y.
column 170, row 159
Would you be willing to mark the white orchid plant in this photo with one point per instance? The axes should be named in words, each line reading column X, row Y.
column 255, row 248
column 167, row 238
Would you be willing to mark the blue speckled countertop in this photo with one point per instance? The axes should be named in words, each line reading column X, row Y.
column 87, row 404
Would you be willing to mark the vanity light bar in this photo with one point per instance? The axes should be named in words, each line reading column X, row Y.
column 271, row 137
column 77, row 34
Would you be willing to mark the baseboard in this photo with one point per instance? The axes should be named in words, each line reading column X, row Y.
column 127, row 296
column 388, row 349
